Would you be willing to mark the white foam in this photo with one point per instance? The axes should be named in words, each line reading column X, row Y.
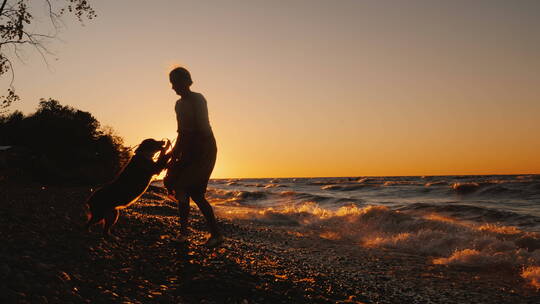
column 448, row 241
column 532, row 275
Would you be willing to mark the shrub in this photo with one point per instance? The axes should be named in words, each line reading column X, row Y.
column 66, row 145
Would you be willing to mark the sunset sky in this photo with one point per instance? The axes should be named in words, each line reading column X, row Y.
column 313, row 88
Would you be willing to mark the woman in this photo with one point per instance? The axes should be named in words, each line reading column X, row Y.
column 193, row 156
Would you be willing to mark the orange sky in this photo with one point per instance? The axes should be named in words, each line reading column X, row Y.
column 314, row 88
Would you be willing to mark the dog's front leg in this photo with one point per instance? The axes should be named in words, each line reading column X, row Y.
column 110, row 219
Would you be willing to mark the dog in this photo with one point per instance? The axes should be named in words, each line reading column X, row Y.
column 104, row 204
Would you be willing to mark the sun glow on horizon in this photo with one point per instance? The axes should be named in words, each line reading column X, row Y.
column 315, row 88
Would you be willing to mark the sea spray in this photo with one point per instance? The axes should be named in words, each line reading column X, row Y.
column 444, row 240
column 532, row 275
column 465, row 221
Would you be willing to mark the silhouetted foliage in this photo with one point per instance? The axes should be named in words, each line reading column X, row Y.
column 17, row 31
column 66, row 144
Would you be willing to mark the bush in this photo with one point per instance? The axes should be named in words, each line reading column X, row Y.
column 67, row 145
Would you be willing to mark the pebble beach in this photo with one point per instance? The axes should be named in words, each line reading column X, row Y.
column 46, row 257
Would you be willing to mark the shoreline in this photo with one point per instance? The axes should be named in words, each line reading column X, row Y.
column 47, row 258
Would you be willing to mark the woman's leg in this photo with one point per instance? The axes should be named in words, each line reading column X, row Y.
column 183, row 211
column 208, row 213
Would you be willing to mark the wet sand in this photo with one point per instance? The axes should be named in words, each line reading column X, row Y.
column 45, row 257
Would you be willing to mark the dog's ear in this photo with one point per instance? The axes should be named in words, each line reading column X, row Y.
column 145, row 145
column 140, row 148
column 150, row 145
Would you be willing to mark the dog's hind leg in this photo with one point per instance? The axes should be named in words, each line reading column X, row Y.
column 92, row 221
column 111, row 218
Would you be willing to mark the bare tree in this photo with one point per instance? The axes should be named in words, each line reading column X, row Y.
column 15, row 20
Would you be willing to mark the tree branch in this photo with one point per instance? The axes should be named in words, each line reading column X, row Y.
column 16, row 18
column 2, row 7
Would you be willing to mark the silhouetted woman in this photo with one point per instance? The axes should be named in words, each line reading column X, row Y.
column 194, row 155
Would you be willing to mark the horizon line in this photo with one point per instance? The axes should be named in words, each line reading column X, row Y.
column 360, row 176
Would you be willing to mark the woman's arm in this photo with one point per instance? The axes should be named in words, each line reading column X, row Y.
column 176, row 153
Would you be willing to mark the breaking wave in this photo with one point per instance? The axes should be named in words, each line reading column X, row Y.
column 263, row 198
column 275, row 186
column 447, row 240
column 435, row 183
column 466, row 221
column 465, row 188
column 492, row 188
column 234, row 197
column 344, row 187
column 532, row 274
column 476, row 213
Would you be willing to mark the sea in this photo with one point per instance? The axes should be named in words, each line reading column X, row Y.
column 504, row 200
column 477, row 221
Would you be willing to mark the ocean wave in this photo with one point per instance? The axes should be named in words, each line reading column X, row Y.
column 497, row 188
column 435, row 183
column 400, row 183
column 363, row 180
column 323, row 183
column 446, row 240
column 474, row 213
column 353, row 187
column 288, row 193
column 300, row 197
column 275, row 186
column 348, row 201
column 532, row 274
column 251, row 195
column 258, row 185
column 500, row 190
column 476, row 258
column 516, row 182
column 331, row 181
column 529, row 177
column 233, row 197
column 217, row 181
column 252, row 198
column 465, row 188
column 295, row 214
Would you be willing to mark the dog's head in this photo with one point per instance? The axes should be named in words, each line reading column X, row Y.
column 150, row 146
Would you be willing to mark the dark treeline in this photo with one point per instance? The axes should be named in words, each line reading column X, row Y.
column 59, row 144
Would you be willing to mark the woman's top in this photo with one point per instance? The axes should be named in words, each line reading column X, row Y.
column 193, row 125
column 192, row 115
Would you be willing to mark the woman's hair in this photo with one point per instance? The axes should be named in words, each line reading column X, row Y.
column 180, row 74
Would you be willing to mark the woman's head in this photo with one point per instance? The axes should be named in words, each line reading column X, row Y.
column 181, row 80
